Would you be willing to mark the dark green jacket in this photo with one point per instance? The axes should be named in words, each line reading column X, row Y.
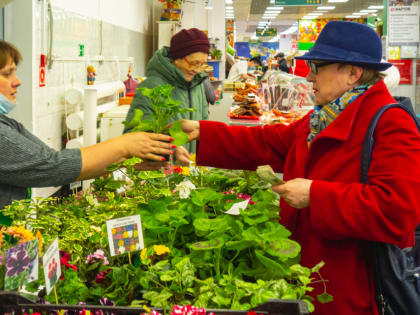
column 160, row 71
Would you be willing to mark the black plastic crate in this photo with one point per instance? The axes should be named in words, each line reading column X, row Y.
column 11, row 302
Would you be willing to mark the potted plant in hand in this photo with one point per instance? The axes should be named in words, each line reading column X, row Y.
column 164, row 109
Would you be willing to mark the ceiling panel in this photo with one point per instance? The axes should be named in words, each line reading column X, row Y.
column 249, row 12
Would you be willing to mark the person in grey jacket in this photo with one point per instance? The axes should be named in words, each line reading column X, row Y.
column 25, row 161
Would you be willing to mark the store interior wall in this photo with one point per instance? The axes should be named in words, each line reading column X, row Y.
column 127, row 31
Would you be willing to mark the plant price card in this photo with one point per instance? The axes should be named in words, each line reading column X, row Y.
column 21, row 265
column 51, row 263
column 125, row 235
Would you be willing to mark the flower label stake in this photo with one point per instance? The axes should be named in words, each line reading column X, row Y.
column 52, row 267
column 21, row 265
column 125, row 235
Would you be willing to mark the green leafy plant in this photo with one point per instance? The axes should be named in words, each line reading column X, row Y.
column 214, row 259
column 216, row 53
column 164, row 110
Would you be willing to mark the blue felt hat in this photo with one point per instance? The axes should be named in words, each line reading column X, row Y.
column 348, row 42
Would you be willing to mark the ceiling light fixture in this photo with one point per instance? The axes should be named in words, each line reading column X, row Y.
column 369, row 11
column 376, row 7
column 360, row 13
column 352, row 16
column 274, row 8
column 208, row 5
column 326, row 8
column 228, row 1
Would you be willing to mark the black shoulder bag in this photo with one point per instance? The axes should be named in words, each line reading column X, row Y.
column 397, row 271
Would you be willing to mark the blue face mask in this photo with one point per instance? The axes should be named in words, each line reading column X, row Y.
column 6, row 105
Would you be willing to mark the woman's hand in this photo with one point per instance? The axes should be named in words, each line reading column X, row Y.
column 192, row 128
column 146, row 145
column 295, row 192
column 182, row 156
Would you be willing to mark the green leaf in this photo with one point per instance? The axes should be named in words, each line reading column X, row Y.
column 284, row 248
column 137, row 117
column 132, row 161
column 324, row 298
column 318, row 266
column 180, row 137
column 5, row 220
column 207, row 245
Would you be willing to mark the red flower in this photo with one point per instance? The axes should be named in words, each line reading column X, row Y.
column 100, row 277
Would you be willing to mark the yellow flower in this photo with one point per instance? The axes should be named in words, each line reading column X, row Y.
column 40, row 240
column 143, row 254
column 125, row 234
column 20, row 233
column 120, row 243
column 2, row 236
column 113, row 231
column 135, row 233
column 192, row 159
column 160, row 249
column 185, row 171
column 132, row 247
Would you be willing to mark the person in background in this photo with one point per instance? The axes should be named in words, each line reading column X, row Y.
column 281, row 61
column 240, row 71
column 300, row 68
column 181, row 66
column 26, row 161
column 331, row 214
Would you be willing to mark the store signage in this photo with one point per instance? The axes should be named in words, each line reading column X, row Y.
column 264, row 32
column 255, row 41
column 403, row 22
column 298, row 2
column 405, row 67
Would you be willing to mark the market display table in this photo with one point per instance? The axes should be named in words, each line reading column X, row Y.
column 13, row 302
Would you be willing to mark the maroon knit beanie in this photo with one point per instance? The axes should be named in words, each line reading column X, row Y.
column 187, row 42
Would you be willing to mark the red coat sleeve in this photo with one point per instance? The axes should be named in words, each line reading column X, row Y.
column 241, row 147
column 343, row 210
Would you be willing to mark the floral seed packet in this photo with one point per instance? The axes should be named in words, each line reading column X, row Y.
column 21, row 265
column 125, row 235
column 52, row 267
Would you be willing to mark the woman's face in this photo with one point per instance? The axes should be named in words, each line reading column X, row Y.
column 8, row 80
column 192, row 64
column 332, row 81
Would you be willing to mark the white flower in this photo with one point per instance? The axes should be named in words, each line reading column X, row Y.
column 121, row 249
column 184, row 188
column 194, row 171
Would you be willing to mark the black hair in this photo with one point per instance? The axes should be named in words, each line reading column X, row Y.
column 256, row 59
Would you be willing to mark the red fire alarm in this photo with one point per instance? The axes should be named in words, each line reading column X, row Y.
column 42, row 70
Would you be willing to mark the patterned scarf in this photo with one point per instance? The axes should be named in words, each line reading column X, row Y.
column 325, row 115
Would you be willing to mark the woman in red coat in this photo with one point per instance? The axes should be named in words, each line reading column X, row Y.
column 329, row 212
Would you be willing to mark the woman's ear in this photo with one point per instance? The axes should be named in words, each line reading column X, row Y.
column 355, row 74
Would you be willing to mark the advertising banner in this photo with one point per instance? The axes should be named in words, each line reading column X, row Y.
column 403, row 22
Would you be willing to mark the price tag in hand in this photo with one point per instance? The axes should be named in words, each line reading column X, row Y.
column 266, row 172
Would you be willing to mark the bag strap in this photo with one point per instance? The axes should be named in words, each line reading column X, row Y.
column 369, row 140
column 367, row 149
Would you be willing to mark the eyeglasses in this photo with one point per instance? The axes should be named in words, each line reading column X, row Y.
column 314, row 66
column 194, row 64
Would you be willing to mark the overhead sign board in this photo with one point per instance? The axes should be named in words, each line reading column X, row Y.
column 261, row 32
column 298, row 2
